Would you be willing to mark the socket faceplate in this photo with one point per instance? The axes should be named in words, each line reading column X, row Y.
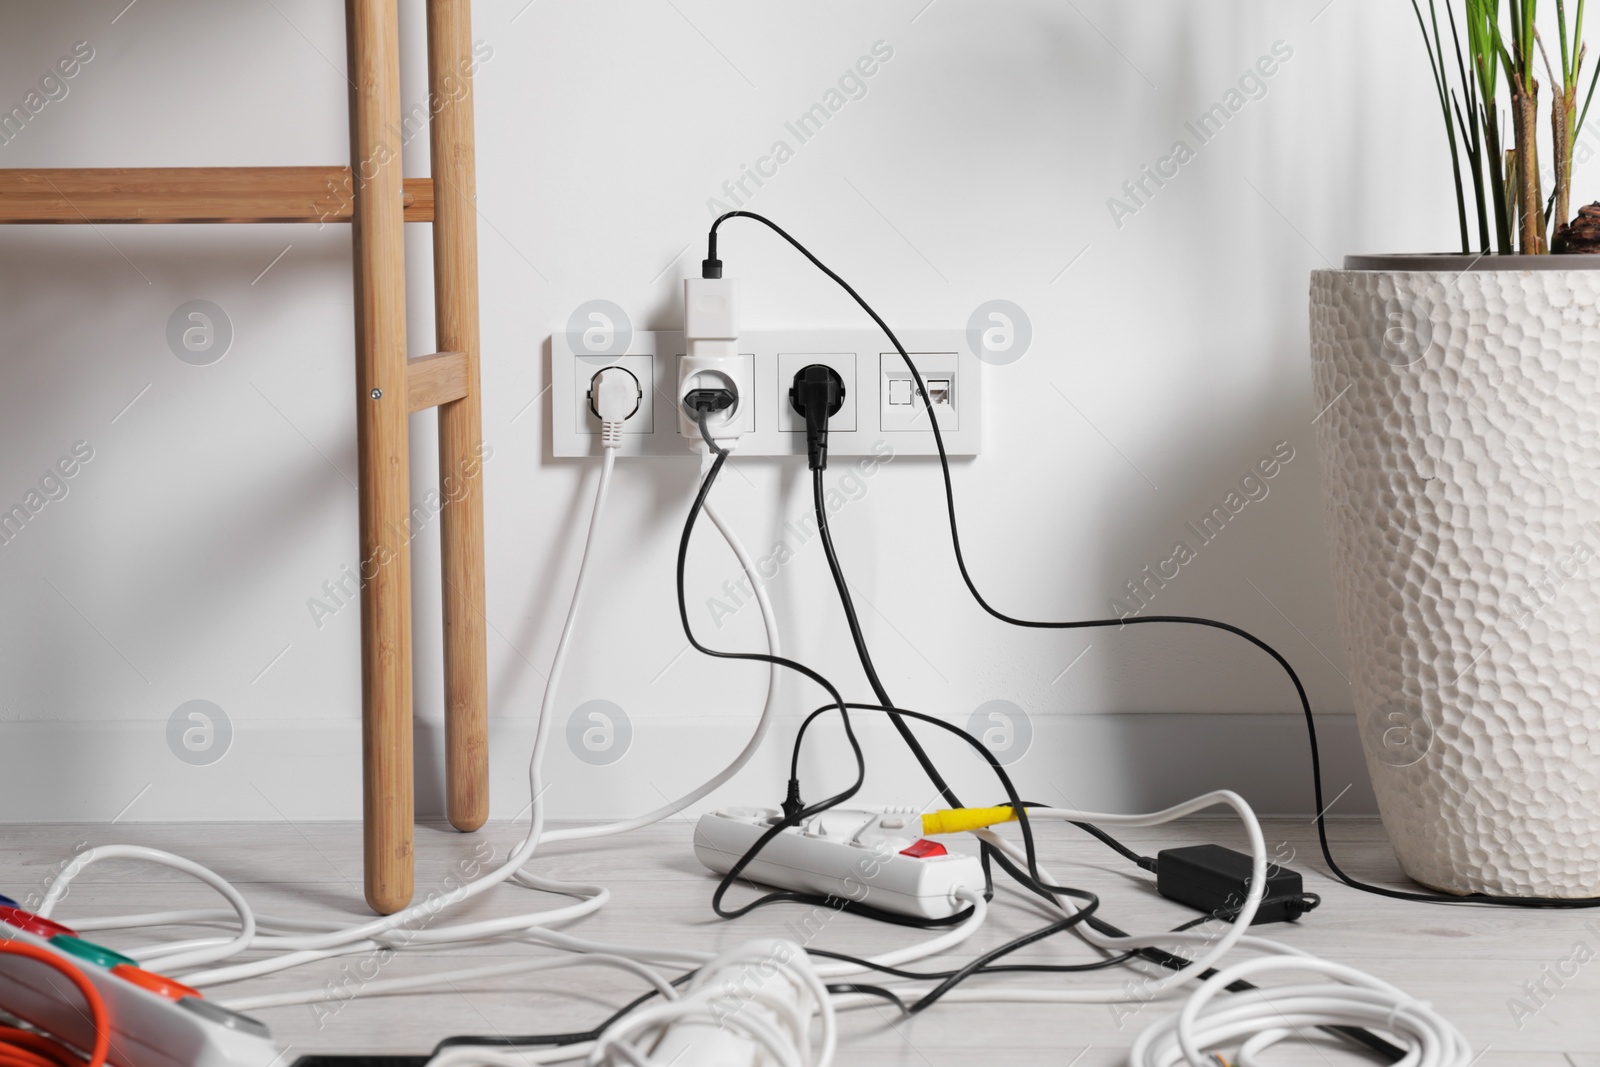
column 655, row 430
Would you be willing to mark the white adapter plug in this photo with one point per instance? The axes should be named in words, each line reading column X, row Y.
column 711, row 360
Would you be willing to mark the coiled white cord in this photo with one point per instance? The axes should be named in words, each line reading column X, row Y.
column 1265, row 1017
column 761, row 996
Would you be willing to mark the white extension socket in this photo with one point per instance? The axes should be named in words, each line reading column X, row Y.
column 882, row 410
column 871, row 857
column 148, row 1030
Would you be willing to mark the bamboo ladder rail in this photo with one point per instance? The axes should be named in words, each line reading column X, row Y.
column 377, row 201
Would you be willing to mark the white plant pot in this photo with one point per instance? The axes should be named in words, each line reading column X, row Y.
column 1459, row 424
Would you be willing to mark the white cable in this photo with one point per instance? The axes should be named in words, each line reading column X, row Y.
column 200, row 917
column 315, row 946
column 1267, row 1016
column 247, row 918
column 1155, row 986
column 448, row 979
column 768, row 711
column 312, row 940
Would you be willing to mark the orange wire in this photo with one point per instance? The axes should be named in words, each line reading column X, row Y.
column 17, row 1053
column 46, row 1050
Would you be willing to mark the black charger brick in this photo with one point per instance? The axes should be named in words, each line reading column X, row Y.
column 1214, row 879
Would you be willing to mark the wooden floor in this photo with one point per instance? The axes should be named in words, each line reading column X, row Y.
column 1470, row 963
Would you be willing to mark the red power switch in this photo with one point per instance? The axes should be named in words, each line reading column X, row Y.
column 923, row 849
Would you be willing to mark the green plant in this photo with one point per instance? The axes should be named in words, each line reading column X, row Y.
column 1511, row 211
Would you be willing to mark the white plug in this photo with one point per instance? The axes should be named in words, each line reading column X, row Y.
column 614, row 397
column 711, row 362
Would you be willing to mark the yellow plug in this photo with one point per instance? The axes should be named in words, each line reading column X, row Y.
column 955, row 820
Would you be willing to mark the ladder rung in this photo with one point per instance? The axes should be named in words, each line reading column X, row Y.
column 436, row 379
column 192, row 194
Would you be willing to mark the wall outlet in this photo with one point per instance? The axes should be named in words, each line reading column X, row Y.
column 865, row 421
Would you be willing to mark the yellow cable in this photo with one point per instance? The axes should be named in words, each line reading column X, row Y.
column 955, row 820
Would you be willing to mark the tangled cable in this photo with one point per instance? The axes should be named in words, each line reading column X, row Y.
column 1354, row 998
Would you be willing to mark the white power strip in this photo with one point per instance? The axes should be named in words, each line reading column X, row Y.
column 148, row 1030
column 875, row 858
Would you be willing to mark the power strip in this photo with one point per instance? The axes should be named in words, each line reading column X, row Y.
column 149, row 1029
column 874, row 858
column 882, row 414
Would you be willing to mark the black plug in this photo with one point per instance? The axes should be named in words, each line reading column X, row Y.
column 708, row 401
column 702, row 404
column 817, row 395
column 791, row 801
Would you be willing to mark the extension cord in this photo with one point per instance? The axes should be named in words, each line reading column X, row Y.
column 148, row 1029
column 874, row 858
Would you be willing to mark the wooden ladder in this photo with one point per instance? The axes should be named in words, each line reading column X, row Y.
column 377, row 201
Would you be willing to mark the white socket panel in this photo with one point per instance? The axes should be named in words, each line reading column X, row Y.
column 867, row 417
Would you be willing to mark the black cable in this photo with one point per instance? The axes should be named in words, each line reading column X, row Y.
column 974, row 966
column 1015, row 968
column 819, row 505
column 502, row 1040
column 886, row 705
column 1145, row 862
column 793, row 815
column 877, row 991
column 862, row 653
column 1029, row 968
column 1188, row 620
column 1032, row 880
column 713, row 268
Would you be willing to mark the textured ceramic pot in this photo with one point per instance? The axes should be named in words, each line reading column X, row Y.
column 1458, row 418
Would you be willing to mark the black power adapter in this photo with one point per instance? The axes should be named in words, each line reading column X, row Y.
column 1214, row 879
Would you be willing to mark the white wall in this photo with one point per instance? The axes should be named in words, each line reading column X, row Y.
column 1166, row 359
